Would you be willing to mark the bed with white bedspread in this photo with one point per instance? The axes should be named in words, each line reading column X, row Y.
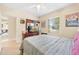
column 47, row 45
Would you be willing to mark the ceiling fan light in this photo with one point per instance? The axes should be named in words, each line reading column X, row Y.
column 38, row 6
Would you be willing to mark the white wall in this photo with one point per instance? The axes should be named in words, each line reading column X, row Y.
column 19, row 29
column 63, row 30
column 14, row 26
column 11, row 28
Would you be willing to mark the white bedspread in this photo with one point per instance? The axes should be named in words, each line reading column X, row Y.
column 47, row 45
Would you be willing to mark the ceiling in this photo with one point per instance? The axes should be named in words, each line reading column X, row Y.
column 37, row 9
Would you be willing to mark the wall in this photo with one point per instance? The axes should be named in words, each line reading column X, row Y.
column 11, row 27
column 21, row 27
column 63, row 31
column 14, row 17
column 11, row 22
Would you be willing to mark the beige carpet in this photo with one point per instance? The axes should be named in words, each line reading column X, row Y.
column 10, row 47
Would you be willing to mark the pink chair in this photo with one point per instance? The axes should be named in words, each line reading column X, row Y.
column 75, row 49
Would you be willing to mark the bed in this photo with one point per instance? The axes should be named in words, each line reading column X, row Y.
column 47, row 45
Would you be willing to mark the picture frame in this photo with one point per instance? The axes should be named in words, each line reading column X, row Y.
column 72, row 20
column 22, row 21
column 43, row 24
column 53, row 24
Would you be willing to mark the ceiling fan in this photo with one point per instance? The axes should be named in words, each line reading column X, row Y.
column 38, row 8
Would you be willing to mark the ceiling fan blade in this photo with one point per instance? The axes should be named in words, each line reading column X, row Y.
column 33, row 6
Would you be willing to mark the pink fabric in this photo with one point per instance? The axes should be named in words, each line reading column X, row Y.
column 75, row 50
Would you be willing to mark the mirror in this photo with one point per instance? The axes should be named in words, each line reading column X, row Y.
column 32, row 25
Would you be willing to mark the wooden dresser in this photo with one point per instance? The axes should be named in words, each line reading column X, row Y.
column 31, row 27
column 28, row 34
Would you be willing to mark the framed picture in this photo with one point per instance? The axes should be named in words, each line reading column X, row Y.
column 22, row 21
column 53, row 24
column 72, row 20
column 43, row 24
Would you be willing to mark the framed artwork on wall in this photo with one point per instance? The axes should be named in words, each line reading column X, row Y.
column 53, row 24
column 43, row 24
column 72, row 20
column 22, row 21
